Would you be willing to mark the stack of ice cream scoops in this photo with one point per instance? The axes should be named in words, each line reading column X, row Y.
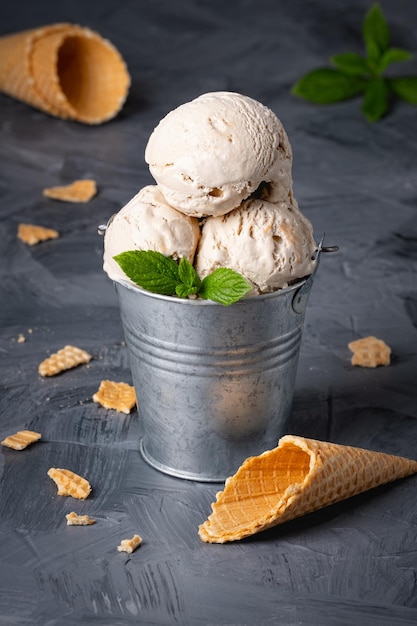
column 223, row 198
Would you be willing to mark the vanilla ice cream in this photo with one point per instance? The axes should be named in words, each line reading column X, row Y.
column 226, row 159
column 147, row 222
column 215, row 151
column 271, row 245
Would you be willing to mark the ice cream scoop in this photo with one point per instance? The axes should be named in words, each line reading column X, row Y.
column 211, row 153
column 147, row 222
column 270, row 244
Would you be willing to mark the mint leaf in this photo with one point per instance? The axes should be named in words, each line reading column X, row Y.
column 375, row 103
column 188, row 275
column 354, row 74
column 160, row 274
column 150, row 270
column 190, row 281
column 183, row 291
column 405, row 88
column 224, row 286
column 376, row 33
column 327, row 85
column 350, row 63
column 393, row 55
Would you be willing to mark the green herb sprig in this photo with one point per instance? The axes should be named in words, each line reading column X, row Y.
column 354, row 74
column 157, row 273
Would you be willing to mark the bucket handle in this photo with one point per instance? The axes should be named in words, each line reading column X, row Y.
column 300, row 299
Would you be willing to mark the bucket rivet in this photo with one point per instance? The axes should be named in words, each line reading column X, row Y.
column 299, row 302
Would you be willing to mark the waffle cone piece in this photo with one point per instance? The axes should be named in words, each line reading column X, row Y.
column 65, row 70
column 299, row 476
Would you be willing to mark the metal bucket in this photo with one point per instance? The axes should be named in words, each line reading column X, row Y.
column 214, row 384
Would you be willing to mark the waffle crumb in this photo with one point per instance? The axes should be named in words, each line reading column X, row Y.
column 370, row 352
column 78, row 191
column 32, row 234
column 21, row 439
column 66, row 358
column 73, row 519
column 118, row 396
column 130, row 545
column 70, row 484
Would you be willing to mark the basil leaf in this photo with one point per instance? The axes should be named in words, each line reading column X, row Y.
column 150, row 270
column 376, row 33
column 405, row 88
column 326, row 85
column 188, row 275
column 393, row 55
column 224, row 286
column 375, row 103
column 350, row 63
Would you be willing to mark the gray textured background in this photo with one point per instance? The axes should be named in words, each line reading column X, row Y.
column 353, row 563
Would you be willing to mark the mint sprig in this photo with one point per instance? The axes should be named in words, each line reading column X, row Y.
column 354, row 74
column 157, row 273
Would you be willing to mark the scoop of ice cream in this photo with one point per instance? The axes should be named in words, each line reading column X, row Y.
column 211, row 153
column 271, row 245
column 147, row 222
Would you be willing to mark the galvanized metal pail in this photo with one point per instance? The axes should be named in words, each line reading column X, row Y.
column 214, row 384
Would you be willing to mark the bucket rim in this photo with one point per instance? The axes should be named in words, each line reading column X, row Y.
column 126, row 284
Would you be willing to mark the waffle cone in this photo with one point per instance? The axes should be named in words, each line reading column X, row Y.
column 65, row 70
column 299, row 476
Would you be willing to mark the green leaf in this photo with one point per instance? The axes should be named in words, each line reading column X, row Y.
column 376, row 33
column 327, row 85
column 188, row 275
column 354, row 74
column 182, row 291
column 393, row 55
column 405, row 88
column 150, row 270
column 375, row 103
column 160, row 274
column 224, row 286
column 350, row 63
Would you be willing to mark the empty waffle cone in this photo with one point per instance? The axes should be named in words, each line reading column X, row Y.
column 65, row 70
column 299, row 476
